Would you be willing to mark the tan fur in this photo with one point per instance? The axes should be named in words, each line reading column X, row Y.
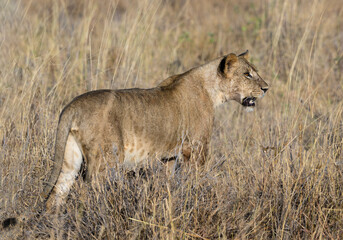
column 130, row 126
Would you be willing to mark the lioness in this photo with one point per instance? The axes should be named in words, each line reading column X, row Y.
column 135, row 125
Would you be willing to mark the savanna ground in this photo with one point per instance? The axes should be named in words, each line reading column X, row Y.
column 274, row 173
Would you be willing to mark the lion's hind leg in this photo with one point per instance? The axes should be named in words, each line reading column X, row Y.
column 70, row 169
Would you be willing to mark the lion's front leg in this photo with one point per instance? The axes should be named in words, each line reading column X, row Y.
column 196, row 151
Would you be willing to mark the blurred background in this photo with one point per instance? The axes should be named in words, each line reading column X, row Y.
column 274, row 173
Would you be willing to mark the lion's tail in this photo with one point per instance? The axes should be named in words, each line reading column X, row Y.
column 64, row 126
column 63, row 130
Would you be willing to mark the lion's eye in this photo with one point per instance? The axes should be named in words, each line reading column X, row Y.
column 248, row 75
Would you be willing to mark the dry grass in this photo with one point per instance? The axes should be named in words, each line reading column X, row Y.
column 274, row 173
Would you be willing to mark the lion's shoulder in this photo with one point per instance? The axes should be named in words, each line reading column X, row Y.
column 169, row 81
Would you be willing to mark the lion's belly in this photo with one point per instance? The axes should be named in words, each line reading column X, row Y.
column 140, row 151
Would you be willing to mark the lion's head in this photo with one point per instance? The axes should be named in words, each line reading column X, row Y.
column 240, row 81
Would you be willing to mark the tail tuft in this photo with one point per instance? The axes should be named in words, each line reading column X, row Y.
column 9, row 222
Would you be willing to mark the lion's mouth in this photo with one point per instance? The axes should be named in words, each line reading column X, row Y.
column 249, row 102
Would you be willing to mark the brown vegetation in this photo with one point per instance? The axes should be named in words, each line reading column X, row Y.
column 274, row 173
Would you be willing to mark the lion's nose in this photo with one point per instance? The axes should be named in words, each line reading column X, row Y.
column 264, row 89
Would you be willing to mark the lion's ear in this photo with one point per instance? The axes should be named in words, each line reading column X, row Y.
column 226, row 64
column 245, row 55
